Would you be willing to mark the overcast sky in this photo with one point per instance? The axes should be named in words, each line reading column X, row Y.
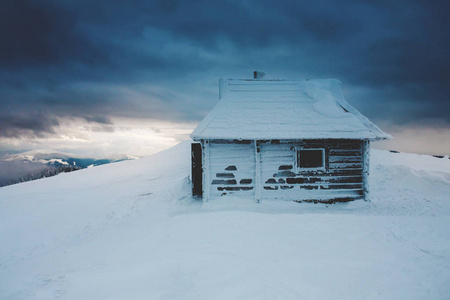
column 133, row 77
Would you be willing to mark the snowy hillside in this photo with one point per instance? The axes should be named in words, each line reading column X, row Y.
column 129, row 230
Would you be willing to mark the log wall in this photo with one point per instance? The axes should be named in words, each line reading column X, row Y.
column 232, row 168
column 236, row 168
column 341, row 180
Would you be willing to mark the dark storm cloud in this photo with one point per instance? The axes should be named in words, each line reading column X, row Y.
column 410, row 61
column 98, row 119
column 161, row 59
column 30, row 124
column 37, row 32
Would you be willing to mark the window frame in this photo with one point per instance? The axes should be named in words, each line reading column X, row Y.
column 298, row 159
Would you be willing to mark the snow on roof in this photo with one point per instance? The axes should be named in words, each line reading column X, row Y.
column 284, row 109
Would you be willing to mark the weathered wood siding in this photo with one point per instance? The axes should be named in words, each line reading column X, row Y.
column 267, row 170
column 341, row 180
column 232, row 168
column 366, row 165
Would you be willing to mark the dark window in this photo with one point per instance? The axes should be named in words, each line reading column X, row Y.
column 310, row 158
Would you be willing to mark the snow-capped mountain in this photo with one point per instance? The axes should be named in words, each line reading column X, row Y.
column 130, row 230
column 30, row 165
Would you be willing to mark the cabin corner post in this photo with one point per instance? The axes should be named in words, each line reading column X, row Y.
column 366, row 165
column 257, row 172
column 206, row 171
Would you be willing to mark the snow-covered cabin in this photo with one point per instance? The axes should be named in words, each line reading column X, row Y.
column 283, row 139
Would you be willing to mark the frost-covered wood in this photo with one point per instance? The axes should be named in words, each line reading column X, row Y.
column 232, row 168
column 258, row 185
column 268, row 170
column 366, row 157
column 341, row 179
column 206, row 172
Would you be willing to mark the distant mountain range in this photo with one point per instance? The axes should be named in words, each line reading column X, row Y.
column 31, row 165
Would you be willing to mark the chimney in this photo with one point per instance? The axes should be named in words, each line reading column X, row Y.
column 258, row 75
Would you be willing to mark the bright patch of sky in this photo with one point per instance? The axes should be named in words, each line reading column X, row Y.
column 133, row 137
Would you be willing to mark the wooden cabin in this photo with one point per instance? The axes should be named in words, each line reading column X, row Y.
column 283, row 140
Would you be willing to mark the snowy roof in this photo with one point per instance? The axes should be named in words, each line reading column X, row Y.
column 284, row 109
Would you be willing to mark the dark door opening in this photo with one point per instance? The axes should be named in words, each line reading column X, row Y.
column 197, row 169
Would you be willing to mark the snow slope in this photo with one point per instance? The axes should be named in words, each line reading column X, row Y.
column 129, row 230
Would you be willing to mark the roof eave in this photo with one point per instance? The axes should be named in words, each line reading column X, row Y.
column 213, row 137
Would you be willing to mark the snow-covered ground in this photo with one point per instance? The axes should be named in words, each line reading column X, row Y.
column 129, row 230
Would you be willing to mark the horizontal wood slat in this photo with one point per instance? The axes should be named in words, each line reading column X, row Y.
column 345, row 153
column 345, row 159
column 339, row 165
column 233, row 166
column 232, row 169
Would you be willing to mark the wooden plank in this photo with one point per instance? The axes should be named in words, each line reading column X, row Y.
column 331, row 173
column 231, row 142
column 233, row 174
column 224, row 182
column 324, row 185
column 345, row 159
column 234, row 188
column 274, row 166
column 234, row 148
column 241, row 194
column 277, row 151
column 206, row 172
column 228, row 148
column 239, row 168
column 223, row 164
column 366, row 157
column 322, row 180
column 224, row 174
column 230, row 157
column 279, row 159
column 345, row 166
column 232, row 153
column 257, row 172
column 348, row 146
column 337, row 152
column 246, row 181
column 345, row 179
column 275, row 155
column 333, row 144
column 276, row 147
column 226, row 164
column 311, row 142
column 296, row 194
column 342, row 187
column 278, row 156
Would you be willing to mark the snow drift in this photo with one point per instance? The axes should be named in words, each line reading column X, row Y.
column 130, row 230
